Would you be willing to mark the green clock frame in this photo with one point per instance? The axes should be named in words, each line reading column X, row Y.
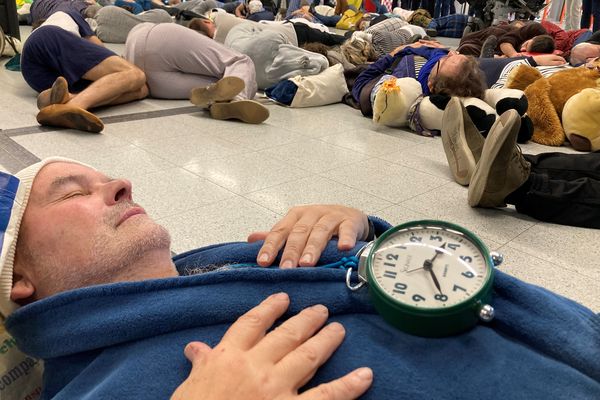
column 431, row 322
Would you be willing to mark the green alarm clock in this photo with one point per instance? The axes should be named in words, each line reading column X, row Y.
column 429, row 278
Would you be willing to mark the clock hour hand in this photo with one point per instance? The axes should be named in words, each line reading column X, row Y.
column 428, row 266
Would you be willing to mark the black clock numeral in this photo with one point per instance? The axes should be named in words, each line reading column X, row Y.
column 387, row 264
column 468, row 274
column 453, row 246
column 416, row 239
column 391, row 256
column 438, row 238
column 441, row 297
column 390, row 274
column 457, row 288
column 418, row 297
column 400, row 288
column 466, row 259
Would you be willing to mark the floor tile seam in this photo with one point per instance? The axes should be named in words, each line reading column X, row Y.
column 357, row 151
column 569, row 269
column 111, row 119
column 446, row 179
column 534, row 224
column 229, row 198
column 311, row 174
column 193, row 208
column 391, row 203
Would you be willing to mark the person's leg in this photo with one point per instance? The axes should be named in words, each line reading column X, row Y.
column 586, row 14
column 572, row 15
column 114, row 81
column 133, row 7
column 437, row 10
column 328, row 20
column 306, row 34
column 596, row 15
column 203, row 59
column 566, row 202
column 566, row 166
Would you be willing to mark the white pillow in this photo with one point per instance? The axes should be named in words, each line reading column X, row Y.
column 328, row 87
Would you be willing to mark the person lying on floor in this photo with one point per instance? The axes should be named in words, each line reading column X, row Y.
column 43, row 9
column 499, row 39
column 551, row 187
column 89, row 286
column 437, row 69
column 74, row 72
column 273, row 47
column 206, row 72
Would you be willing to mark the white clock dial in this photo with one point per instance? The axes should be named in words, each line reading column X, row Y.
column 429, row 267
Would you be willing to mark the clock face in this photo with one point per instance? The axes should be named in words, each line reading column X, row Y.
column 429, row 267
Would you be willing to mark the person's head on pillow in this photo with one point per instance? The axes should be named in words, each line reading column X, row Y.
column 542, row 44
column 457, row 75
column 204, row 26
column 583, row 53
column 68, row 226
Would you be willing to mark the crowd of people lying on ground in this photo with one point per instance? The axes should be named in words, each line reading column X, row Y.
column 388, row 66
column 90, row 286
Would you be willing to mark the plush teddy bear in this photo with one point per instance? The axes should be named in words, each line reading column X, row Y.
column 482, row 113
column 547, row 98
column 582, row 126
column 399, row 98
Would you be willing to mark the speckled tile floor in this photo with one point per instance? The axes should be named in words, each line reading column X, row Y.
column 210, row 181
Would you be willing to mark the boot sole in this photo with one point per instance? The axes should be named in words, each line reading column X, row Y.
column 457, row 152
column 70, row 117
column 508, row 122
column 248, row 111
column 224, row 89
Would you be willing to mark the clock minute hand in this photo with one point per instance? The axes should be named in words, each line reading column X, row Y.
column 428, row 266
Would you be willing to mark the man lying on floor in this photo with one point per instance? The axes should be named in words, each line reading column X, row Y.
column 89, row 286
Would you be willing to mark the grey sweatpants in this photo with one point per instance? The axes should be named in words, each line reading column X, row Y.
column 177, row 59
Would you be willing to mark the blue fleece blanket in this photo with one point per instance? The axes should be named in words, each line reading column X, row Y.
column 126, row 340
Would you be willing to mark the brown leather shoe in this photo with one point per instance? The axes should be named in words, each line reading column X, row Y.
column 57, row 94
column 502, row 168
column 248, row 111
column 462, row 141
column 224, row 89
column 67, row 116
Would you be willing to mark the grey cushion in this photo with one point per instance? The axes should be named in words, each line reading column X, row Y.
column 114, row 23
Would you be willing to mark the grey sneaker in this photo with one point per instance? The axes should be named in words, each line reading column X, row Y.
column 225, row 89
column 462, row 141
column 248, row 111
column 488, row 49
column 502, row 168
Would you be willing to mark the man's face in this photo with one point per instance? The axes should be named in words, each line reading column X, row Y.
column 81, row 228
column 449, row 65
column 210, row 28
column 526, row 46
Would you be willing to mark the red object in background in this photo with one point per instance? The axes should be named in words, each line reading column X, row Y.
column 369, row 6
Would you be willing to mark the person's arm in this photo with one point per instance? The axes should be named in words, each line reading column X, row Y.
column 249, row 364
column 508, row 50
column 548, row 60
column 94, row 39
column 305, row 231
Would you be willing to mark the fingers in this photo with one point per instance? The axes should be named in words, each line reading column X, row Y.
column 275, row 239
column 195, row 351
column 292, row 333
column 251, row 327
column 348, row 387
column 256, row 236
column 301, row 364
column 297, row 239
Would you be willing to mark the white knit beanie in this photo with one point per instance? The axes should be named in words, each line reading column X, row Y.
column 255, row 6
column 14, row 195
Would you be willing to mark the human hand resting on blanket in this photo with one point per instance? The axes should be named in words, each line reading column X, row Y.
column 249, row 364
column 305, row 231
